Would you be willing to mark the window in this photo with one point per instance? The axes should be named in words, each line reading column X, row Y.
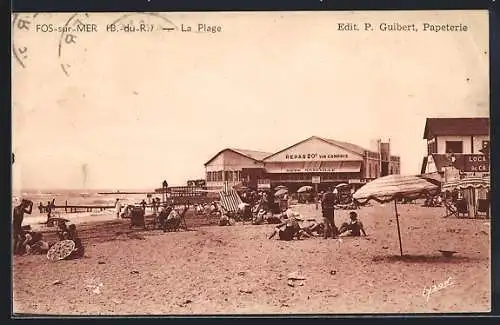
column 454, row 147
column 485, row 145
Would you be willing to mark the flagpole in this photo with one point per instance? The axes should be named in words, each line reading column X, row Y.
column 399, row 232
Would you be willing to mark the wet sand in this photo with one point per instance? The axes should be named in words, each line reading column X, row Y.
column 236, row 269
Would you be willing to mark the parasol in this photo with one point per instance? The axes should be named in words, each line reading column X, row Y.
column 280, row 187
column 61, row 250
column 280, row 192
column 303, row 189
column 342, row 185
column 394, row 187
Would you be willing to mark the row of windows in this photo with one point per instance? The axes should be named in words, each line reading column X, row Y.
column 308, row 177
column 453, row 146
column 227, row 175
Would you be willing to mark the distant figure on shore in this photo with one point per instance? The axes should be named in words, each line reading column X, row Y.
column 154, row 204
column 41, row 208
column 118, row 208
column 353, row 228
column 143, row 205
column 25, row 206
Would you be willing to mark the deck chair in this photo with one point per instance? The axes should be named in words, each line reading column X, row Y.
column 462, row 208
column 450, row 209
column 483, row 206
column 176, row 224
column 137, row 218
column 229, row 201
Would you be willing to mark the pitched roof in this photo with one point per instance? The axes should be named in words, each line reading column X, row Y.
column 251, row 154
column 444, row 160
column 456, row 126
column 346, row 145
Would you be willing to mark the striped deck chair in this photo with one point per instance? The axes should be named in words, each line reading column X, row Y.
column 229, row 200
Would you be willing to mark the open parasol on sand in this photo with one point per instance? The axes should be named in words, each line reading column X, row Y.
column 281, row 192
column 394, row 187
column 304, row 189
column 61, row 250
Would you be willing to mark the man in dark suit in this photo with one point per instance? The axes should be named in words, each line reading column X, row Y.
column 328, row 209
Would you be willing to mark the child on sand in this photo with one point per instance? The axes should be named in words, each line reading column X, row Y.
column 353, row 228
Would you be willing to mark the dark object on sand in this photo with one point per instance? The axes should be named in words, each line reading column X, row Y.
column 61, row 250
column 447, row 253
column 137, row 218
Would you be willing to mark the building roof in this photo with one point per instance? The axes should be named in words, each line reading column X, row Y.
column 256, row 155
column 346, row 145
column 456, row 126
column 251, row 154
column 444, row 160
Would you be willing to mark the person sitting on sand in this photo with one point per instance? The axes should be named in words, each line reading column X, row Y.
column 173, row 220
column 62, row 230
column 79, row 249
column 310, row 226
column 34, row 244
column 164, row 214
column 289, row 230
column 313, row 227
column 352, row 228
column 260, row 217
column 224, row 220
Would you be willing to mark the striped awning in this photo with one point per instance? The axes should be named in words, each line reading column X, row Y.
column 472, row 182
column 229, row 200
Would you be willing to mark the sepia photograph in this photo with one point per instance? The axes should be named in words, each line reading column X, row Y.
column 250, row 163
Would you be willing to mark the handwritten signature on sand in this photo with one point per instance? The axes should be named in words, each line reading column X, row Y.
column 435, row 288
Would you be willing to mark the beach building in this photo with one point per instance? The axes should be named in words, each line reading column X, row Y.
column 461, row 143
column 315, row 160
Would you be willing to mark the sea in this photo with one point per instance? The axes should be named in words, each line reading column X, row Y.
column 76, row 197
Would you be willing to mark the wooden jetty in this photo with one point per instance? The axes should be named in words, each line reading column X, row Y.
column 70, row 208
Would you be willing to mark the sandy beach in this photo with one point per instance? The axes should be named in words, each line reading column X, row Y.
column 217, row 270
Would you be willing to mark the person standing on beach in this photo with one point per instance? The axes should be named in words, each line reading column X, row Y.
column 328, row 209
column 118, row 207
column 25, row 206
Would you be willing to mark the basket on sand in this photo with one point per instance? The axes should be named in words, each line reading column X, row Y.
column 61, row 250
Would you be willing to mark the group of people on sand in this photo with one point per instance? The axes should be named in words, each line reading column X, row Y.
column 294, row 226
column 27, row 241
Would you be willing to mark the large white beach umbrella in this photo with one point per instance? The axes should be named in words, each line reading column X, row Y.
column 394, row 187
column 304, row 189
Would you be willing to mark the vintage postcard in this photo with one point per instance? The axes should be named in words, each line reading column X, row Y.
column 250, row 163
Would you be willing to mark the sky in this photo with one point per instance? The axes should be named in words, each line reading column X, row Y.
column 138, row 108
